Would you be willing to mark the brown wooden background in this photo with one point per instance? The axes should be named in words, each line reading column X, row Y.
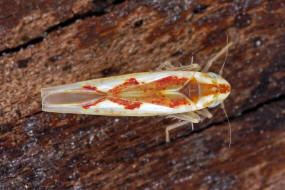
column 48, row 43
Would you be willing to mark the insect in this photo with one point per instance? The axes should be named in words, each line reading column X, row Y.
column 183, row 93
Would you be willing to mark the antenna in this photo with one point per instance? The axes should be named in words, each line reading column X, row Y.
column 227, row 52
column 230, row 126
column 221, row 52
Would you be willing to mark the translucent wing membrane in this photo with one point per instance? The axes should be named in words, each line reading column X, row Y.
column 66, row 100
column 70, row 98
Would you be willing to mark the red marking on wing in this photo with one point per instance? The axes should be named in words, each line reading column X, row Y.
column 87, row 106
column 158, row 85
column 171, row 80
column 130, row 105
column 128, row 83
column 127, row 104
column 93, row 88
column 114, row 92
column 150, row 93
column 164, row 84
column 153, row 92
column 132, row 81
column 175, row 102
column 168, row 100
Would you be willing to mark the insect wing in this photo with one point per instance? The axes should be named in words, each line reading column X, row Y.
column 131, row 95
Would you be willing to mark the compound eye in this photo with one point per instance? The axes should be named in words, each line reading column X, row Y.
column 213, row 74
column 216, row 103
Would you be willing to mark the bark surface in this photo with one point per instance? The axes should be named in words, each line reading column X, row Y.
column 49, row 43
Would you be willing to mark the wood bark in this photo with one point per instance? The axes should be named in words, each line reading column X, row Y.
column 49, row 43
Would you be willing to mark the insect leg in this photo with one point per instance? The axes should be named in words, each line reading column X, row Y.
column 189, row 116
column 173, row 126
column 185, row 118
column 192, row 67
column 204, row 112
column 210, row 62
column 168, row 66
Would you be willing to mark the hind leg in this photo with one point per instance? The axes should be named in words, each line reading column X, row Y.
column 185, row 118
column 174, row 126
column 168, row 66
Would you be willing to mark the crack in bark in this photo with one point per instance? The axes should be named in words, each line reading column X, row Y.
column 27, row 116
column 63, row 24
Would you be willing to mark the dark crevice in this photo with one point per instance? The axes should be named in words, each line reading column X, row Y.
column 20, row 47
column 200, row 9
column 95, row 12
column 138, row 23
column 30, row 115
column 243, row 113
column 116, row 2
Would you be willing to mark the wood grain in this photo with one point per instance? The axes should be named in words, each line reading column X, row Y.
column 90, row 39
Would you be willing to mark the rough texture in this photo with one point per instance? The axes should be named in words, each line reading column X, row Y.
column 45, row 150
column 21, row 21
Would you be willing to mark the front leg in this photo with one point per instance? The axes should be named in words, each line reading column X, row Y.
column 205, row 112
